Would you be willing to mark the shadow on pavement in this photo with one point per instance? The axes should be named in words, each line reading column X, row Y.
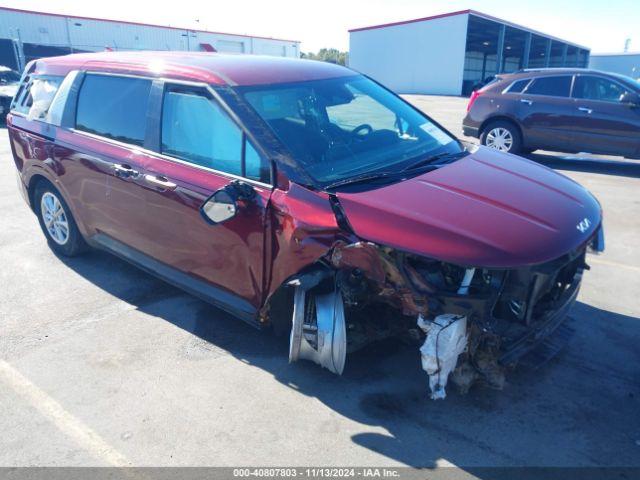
column 606, row 166
column 580, row 409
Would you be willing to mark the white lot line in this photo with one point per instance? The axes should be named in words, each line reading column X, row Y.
column 613, row 264
column 63, row 420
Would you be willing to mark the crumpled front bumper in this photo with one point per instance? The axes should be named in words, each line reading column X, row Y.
column 544, row 327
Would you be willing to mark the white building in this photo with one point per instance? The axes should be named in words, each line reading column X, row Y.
column 450, row 53
column 627, row 63
column 25, row 35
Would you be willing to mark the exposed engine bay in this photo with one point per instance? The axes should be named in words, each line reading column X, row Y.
column 472, row 323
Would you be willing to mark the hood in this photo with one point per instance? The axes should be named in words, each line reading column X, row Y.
column 489, row 209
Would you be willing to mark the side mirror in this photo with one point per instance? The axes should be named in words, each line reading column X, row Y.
column 630, row 98
column 224, row 204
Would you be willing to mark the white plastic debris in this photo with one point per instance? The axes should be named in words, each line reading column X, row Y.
column 446, row 339
column 42, row 92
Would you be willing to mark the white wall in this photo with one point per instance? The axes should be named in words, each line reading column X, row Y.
column 419, row 57
column 625, row 64
column 34, row 28
column 88, row 34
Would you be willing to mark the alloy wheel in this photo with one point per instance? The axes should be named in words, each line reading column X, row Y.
column 55, row 218
column 499, row 138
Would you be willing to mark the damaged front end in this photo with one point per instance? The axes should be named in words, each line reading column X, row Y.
column 472, row 323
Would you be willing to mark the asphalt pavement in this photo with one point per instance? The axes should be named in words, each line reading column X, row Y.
column 102, row 364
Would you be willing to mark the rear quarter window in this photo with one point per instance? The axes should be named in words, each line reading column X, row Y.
column 518, row 86
column 35, row 95
column 114, row 107
column 552, row 86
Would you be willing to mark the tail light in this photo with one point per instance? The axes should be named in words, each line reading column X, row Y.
column 474, row 96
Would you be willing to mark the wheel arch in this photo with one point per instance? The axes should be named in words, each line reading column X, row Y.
column 35, row 180
column 40, row 177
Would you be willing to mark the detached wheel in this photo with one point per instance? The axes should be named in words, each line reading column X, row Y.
column 56, row 221
column 503, row 136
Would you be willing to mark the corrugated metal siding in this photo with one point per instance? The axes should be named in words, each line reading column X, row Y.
column 84, row 34
column 417, row 57
column 121, row 36
column 33, row 28
column 625, row 64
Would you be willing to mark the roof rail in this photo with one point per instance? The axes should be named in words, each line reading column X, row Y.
column 549, row 69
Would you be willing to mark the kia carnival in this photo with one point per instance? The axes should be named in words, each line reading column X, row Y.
column 305, row 198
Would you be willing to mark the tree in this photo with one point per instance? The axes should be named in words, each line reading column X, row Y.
column 331, row 55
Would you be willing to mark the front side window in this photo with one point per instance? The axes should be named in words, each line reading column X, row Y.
column 344, row 127
column 256, row 168
column 551, row 86
column 114, row 107
column 196, row 129
column 597, row 88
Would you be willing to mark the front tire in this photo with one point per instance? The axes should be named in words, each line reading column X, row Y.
column 57, row 222
column 503, row 136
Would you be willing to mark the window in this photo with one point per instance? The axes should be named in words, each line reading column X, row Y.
column 518, row 86
column 114, row 107
column 597, row 88
column 343, row 127
column 255, row 165
column 35, row 95
column 348, row 116
column 56, row 109
column 552, row 86
column 196, row 129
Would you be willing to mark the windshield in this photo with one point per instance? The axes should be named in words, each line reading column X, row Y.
column 630, row 80
column 345, row 127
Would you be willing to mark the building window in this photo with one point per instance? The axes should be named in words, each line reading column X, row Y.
column 538, row 52
column 481, row 55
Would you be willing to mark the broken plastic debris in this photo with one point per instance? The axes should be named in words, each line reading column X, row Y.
column 446, row 339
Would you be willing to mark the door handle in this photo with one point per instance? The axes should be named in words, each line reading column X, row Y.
column 585, row 109
column 160, row 181
column 125, row 171
column 527, row 101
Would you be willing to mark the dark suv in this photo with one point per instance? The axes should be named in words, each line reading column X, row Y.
column 570, row 110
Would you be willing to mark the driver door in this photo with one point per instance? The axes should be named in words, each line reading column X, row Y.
column 200, row 150
column 602, row 123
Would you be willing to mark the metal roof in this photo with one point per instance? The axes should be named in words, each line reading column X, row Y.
column 468, row 12
column 33, row 12
column 619, row 54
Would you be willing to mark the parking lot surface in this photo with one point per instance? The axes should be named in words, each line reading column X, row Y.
column 102, row 364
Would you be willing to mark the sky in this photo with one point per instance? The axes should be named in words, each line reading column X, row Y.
column 602, row 25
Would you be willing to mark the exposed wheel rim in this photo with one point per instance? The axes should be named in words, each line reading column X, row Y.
column 54, row 218
column 499, row 138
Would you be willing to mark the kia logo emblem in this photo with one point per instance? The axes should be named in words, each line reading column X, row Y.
column 584, row 225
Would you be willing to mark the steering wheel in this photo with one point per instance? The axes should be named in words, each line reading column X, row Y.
column 361, row 131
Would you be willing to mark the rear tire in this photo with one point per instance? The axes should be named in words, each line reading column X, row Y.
column 503, row 136
column 57, row 222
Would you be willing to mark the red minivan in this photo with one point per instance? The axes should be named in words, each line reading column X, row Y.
column 304, row 197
